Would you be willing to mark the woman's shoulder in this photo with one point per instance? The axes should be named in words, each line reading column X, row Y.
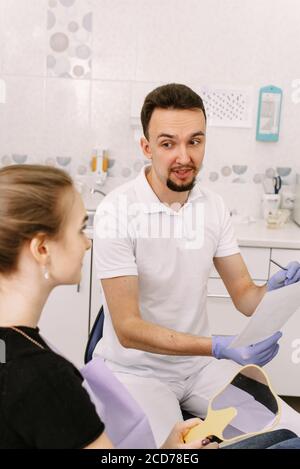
column 38, row 371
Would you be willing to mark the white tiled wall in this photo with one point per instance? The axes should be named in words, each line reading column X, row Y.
column 111, row 106
column 23, row 117
column 64, row 102
column 115, row 39
column 24, row 35
column 68, row 129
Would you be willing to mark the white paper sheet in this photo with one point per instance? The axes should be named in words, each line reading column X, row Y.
column 271, row 314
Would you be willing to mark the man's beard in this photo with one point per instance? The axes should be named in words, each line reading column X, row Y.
column 181, row 188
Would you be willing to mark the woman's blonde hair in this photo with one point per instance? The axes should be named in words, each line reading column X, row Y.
column 31, row 202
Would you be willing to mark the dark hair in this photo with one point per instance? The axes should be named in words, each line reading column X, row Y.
column 31, row 202
column 171, row 96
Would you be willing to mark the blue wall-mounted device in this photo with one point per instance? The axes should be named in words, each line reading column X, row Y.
column 268, row 116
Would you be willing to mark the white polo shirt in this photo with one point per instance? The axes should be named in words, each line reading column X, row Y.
column 171, row 252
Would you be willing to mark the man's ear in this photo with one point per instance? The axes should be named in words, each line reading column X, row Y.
column 39, row 248
column 145, row 145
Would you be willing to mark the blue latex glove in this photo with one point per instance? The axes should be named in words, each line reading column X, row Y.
column 283, row 278
column 257, row 354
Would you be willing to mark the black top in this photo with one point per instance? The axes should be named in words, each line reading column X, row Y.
column 42, row 401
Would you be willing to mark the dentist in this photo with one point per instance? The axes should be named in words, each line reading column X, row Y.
column 156, row 239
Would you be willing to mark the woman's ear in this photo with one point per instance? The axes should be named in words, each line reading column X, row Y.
column 39, row 248
column 145, row 146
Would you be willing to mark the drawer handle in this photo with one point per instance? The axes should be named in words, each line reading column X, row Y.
column 78, row 287
column 212, row 295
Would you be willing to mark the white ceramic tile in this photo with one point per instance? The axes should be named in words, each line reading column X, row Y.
column 67, row 118
column 24, row 31
column 1, row 35
column 194, row 41
column 69, row 41
column 170, row 40
column 111, row 118
column 114, row 43
column 22, row 116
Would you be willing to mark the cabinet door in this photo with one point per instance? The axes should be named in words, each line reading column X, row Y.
column 284, row 370
column 256, row 260
column 64, row 321
column 96, row 295
column 283, row 257
column 223, row 317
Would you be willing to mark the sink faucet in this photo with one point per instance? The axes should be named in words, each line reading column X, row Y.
column 93, row 190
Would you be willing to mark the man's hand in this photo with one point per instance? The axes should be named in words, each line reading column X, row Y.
column 176, row 438
column 284, row 277
column 257, row 354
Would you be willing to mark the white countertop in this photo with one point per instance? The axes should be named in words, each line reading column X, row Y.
column 257, row 234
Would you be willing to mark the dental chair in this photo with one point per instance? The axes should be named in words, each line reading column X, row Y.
column 94, row 337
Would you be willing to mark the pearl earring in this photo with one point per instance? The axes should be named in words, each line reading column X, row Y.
column 46, row 273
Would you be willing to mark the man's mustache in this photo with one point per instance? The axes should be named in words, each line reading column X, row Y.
column 180, row 168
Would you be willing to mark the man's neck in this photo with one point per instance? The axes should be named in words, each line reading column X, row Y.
column 165, row 195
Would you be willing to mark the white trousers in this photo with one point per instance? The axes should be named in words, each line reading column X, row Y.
column 162, row 400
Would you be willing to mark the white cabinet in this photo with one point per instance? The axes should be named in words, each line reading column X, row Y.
column 65, row 318
column 257, row 261
column 284, row 370
column 223, row 316
column 283, row 257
